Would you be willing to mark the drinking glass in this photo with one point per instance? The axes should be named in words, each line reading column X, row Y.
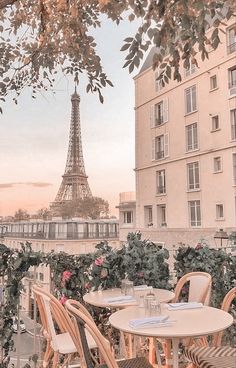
column 123, row 286
column 154, row 308
column 148, row 299
column 129, row 289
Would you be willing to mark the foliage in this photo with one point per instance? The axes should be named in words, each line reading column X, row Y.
column 43, row 213
column 87, row 208
column 14, row 265
column 43, row 37
column 217, row 262
column 21, row 214
column 144, row 263
column 179, row 31
column 94, row 208
column 74, row 275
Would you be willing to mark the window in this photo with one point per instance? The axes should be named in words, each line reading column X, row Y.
column 217, row 164
column 148, row 216
column 232, row 81
column 219, row 212
column 213, row 82
column 215, row 123
column 128, row 217
column 159, row 113
column 234, row 168
column 233, row 123
column 190, row 70
column 41, row 276
column 195, row 213
column 160, row 147
column 193, row 176
column 161, row 182
column 158, row 83
column 191, row 137
column 190, row 100
column 161, row 215
column 231, row 40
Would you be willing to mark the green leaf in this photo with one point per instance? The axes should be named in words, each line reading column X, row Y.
column 125, row 47
column 128, row 39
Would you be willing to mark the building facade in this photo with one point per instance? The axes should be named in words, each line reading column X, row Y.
column 186, row 149
column 71, row 236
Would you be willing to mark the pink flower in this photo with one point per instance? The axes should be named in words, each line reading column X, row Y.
column 87, row 285
column 198, row 246
column 66, row 275
column 99, row 261
column 63, row 299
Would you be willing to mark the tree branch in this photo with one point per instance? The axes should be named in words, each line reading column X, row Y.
column 4, row 3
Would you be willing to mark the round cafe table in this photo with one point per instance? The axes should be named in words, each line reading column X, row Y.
column 99, row 298
column 187, row 323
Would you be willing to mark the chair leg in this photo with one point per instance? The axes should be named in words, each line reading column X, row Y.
column 158, row 355
column 55, row 360
column 47, row 355
column 167, row 350
column 152, row 351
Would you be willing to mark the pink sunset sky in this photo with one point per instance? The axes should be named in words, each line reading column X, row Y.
column 34, row 135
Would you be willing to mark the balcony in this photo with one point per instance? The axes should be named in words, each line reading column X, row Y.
column 61, row 230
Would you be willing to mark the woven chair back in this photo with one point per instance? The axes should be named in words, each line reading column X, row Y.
column 84, row 321
column 199, row 287
column 226, row 304
column 55, row 315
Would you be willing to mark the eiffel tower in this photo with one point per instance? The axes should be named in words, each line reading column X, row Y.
column 74, row 185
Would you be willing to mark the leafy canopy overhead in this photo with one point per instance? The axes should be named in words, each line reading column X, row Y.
column 40, row 38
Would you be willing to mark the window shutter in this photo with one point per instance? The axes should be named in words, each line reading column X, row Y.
column 166, row 145
column 153, row 148
column 165, row 110
column 152, row 116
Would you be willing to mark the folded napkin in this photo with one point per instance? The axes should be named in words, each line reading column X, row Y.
column 121, row 298
column 150, row 322
column 182, row 306
column 142, row 287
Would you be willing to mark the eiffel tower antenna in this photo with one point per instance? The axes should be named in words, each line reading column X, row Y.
column 74, row 185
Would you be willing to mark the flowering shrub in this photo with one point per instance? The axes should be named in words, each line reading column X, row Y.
column 66, row 275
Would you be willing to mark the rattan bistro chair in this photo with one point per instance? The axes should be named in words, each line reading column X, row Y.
column 199, row 290
column 62, row 341
column 67, row 340
column 84, row 322
column 199, row 287
column 215, row 356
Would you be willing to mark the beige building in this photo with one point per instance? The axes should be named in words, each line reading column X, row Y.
column 71, row 236
column 186, row 149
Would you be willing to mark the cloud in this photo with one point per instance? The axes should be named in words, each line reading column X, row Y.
column 7, row 185
column 37, row 184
